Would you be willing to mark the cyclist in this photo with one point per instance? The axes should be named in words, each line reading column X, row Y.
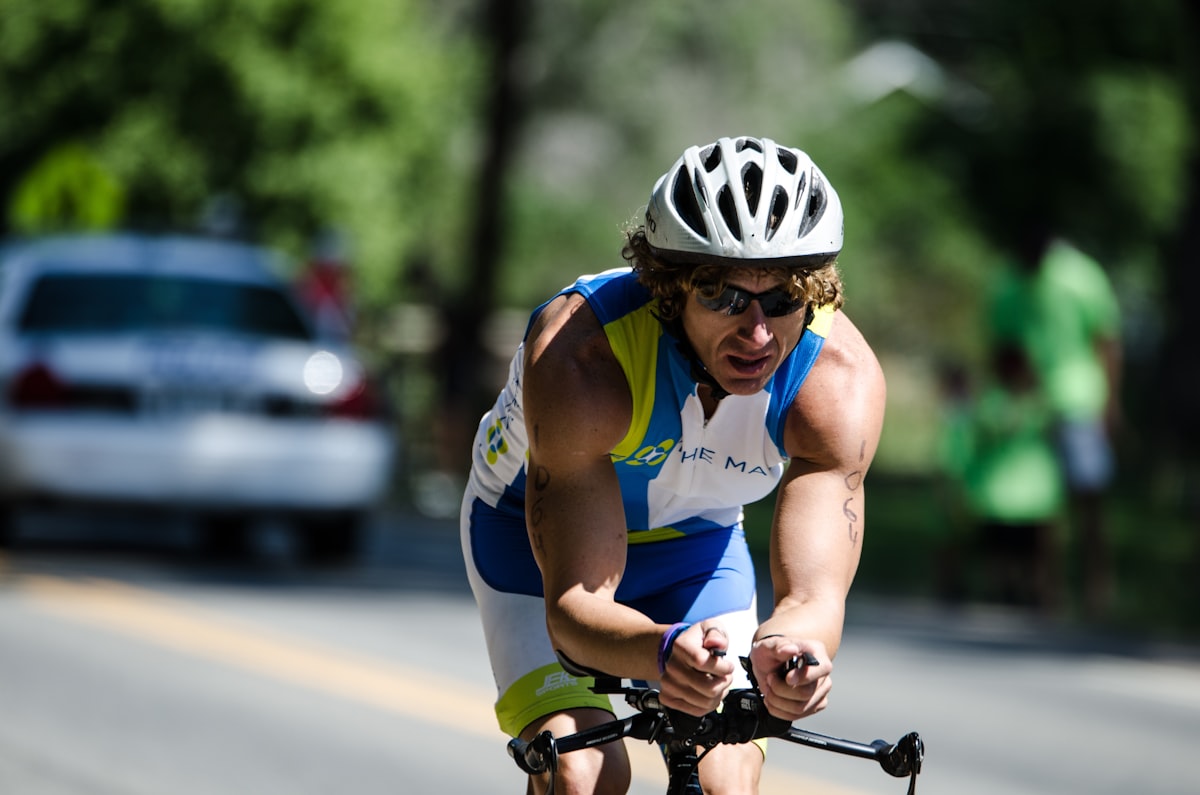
column 602, row 520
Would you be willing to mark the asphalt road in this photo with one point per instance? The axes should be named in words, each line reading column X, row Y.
column 130, row 668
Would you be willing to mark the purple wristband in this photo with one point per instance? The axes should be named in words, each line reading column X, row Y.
column 668, row 643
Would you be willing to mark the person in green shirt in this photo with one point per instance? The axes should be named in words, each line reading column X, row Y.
column 1060, row 308
column 1012, row 485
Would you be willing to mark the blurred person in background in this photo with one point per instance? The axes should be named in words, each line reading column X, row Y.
column 602, row 523
column 1059, row 306
column 324, row 286
column 952, row 524
column 1013, row 484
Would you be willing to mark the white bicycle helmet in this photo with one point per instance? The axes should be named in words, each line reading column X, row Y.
column 745, row 199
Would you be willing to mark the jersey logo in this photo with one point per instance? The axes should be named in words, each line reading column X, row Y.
column 651, row 455
column 497, row 445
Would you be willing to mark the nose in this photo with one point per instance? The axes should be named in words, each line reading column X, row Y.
column 753, row 323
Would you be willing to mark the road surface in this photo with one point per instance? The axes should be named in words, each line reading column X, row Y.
column 132, row 669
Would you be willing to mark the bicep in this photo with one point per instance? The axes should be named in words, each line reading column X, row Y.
column 576, row 409
column 575, row 522
column 821, row 505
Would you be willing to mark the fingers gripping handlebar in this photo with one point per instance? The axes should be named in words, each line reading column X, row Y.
column 742, row 718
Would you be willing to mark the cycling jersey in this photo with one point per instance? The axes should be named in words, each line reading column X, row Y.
column 679, row 472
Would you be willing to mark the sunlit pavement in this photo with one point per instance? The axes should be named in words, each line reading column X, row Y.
column 407, row 550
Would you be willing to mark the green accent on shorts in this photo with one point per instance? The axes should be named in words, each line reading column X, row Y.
column 652, row 536
column 547, row 690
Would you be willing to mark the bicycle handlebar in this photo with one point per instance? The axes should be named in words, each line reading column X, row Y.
column 743, row 718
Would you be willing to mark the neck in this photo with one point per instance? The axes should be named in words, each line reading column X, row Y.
column 699, row 372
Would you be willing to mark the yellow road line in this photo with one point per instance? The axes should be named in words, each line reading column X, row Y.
column 450, row 703
column 150, row 617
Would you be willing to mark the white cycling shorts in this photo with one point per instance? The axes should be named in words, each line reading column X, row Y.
column 683, row 579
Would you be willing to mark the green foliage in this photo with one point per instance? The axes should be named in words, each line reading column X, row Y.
column 942, row 126
column 913, row 532
column 604, row 125
column 67, row 189
column 560, row 237
column 1143, row 136
column 945, row 128
column 311, row 114
column 1084, row 120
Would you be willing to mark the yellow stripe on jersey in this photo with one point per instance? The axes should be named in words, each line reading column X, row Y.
column 822, row 320
column 627, row 337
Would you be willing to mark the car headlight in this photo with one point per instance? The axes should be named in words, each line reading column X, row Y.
column 323, row 373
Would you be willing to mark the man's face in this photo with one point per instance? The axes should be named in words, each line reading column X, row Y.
column 742, row 351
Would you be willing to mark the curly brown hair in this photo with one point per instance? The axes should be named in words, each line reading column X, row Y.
column 671, row 282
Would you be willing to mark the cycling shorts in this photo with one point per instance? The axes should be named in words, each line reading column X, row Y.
column 1087, row 455
column 690, row 578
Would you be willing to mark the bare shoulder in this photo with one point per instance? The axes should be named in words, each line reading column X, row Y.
column 576, row 396
column 837, row 416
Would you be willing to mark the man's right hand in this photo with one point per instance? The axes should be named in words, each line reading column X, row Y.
column 791, row 693
column 698, row 672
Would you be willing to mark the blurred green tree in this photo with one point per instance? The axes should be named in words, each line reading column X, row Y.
column 1083, row 118
column 66, row 189
column 307, row 114
column 941, row 123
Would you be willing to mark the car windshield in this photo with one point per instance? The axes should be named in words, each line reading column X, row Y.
column 135, row 302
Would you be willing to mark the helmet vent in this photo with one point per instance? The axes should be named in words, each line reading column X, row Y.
column 779, row 206
column 752, row 179
column 684, row 199
column 711, row 158
column 729, row 212
column 788, row 160
column 815, row 209
column 701, row 190
column 748, row 143
column 801, row 189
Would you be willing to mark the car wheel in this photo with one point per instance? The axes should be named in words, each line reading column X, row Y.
column 8, row 526
column 332, row 539
column 225, row 537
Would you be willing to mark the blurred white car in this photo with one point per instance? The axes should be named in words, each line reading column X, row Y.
column 178, row 372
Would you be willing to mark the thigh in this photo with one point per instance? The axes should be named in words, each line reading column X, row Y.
column 530, row 683
column 599, row 769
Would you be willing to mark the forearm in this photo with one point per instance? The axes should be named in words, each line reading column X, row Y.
column 807, row 618
column 815, row 548
column 582, row 564
column 594, row 631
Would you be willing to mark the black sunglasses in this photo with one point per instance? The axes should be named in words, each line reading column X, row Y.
column 775, row 302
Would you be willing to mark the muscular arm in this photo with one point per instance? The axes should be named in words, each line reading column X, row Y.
column 817, row 532
column 577, row 408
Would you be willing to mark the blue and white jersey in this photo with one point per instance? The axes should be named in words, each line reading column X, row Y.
column 679, row 474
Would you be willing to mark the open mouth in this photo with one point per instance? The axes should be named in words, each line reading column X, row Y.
column 748, row 366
